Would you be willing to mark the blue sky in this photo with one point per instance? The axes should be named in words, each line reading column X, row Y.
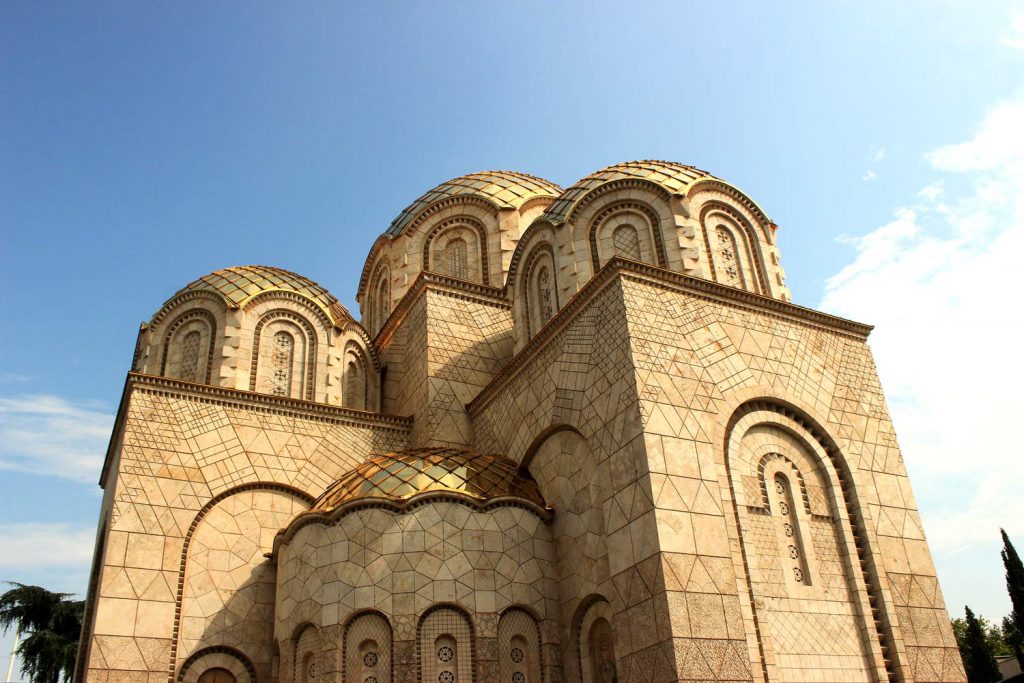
column 143, row 145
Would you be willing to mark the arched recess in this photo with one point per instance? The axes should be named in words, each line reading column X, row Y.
column 356, row 385
column 733, row 251
column 440, row 254
column 447, row 647
column 803, row 567
column 219, row 660
column 368, row 648
column 272, row 355
column 519, row 652
column 379, row 297
column 193, row 364
column 539, row 287
column 593, row 642
column 645, row 225
column 231, row 525
column 306, row 655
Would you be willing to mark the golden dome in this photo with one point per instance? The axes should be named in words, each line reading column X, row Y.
column 675, row 178
column 402, row 475
column 239, row 284
column 504, row 189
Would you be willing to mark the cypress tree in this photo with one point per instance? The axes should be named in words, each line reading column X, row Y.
column 1015, row 587
column 979, row 663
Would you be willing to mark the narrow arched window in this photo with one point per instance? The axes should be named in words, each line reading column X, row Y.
column 602, row 652
column 355, row 385
column 519, row 654
column 626, row 242
column 784, row 507
column 728, row 258
column 455, row 260
column 446, row 647
column 189, row 363
column 367, row 646
column 383, row 300
column 545, row 297
column 282, row 356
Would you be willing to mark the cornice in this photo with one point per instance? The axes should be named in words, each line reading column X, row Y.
column 251, row 400
column 449, row 286
column 618, row 268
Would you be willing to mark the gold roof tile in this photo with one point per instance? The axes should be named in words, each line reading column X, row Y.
column 239, row 284
column 675, row 178
column 505, row 189
column 403, row 474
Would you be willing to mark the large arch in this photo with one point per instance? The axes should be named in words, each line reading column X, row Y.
column 302, row 497
column 765, row 436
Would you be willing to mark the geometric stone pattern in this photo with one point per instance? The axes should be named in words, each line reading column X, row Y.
column 691, row 479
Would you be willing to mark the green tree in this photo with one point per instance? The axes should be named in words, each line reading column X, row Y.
column 1015, row 587
column 51, row 625
column 995, row 635
column 976, row 652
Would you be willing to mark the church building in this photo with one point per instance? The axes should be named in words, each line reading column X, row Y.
column 573, row 435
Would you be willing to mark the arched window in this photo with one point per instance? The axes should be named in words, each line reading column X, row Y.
column 188, row 366
column 784, row 507
column 383, row 300
column 545, row 305
column 216, row 675
column 367, row 644
column 355, row 384
column 282, row 356
column 519, row 654
column 626, row 242
column 455, row 258
column 601, row 646
column 306, row 648
column 728, row 258
column 446, row 647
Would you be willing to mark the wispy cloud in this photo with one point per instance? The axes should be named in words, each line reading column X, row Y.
column 868, row 176
column 48, row 435
column 877, row 154
column 34, row 546
column 1015, row 38
column 941, row 282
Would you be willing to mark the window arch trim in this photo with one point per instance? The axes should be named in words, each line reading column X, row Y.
column 536, row 254
column 474, row 226
column 187, row 317
column 750, row 246
column 613, row 210
column 309, row 377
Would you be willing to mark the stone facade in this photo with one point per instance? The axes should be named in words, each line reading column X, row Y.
column 579, row 435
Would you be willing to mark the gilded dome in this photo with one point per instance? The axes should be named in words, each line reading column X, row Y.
column 401, row 475
column 504, row 189
column 240, row 284
column 675, row 178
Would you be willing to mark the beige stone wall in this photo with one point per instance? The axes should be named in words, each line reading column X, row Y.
column 447, row 345
column 400, row 565
column 225, row 469
column 674, row 516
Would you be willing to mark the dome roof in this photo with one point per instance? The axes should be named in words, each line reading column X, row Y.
column 401, row 475
column 676, row 178
column 504, row 189
column 239, row 284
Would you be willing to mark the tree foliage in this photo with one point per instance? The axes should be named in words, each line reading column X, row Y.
column 1013, row 625
column 975, row 648
column 50, row 624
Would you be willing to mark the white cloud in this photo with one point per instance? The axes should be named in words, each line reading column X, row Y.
column 34, row 546
column 877, row 154
column 48, row 435
column 1015, row 38
column 868, row 176
column 941, row 282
